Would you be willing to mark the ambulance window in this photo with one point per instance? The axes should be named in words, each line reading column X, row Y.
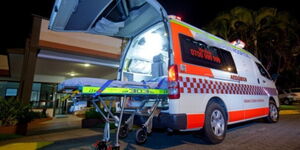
column 262, row 71
column 229, row 64
column 199, row 53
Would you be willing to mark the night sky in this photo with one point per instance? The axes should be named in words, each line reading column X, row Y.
column 16, row 15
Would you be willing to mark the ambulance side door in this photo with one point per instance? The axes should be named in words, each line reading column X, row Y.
column 264, row 81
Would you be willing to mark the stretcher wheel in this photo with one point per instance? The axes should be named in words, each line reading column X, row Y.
column 123, row 131
column 141, row 136
column 115, row 148
column 101, row 145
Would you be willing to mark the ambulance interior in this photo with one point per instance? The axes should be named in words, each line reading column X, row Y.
column 147, row 60
column 147, row 56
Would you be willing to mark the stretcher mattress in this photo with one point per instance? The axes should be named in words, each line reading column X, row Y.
column 157, row 86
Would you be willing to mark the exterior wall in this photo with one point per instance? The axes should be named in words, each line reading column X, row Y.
column 4, row 67
column 82, row 43
column 48, row 78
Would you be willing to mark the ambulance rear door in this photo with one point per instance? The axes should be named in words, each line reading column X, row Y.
column 117, row 18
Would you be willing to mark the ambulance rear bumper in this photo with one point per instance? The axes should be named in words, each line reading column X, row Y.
column 172, row 121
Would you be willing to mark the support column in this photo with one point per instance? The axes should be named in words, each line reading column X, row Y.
column 29, row 61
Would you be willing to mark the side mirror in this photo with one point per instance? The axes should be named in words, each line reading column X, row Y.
column 275, row 76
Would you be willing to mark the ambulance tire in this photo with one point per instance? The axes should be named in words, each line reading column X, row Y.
column 273, row 116
column 215, row 124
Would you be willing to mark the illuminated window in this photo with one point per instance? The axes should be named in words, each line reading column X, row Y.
column 199, row 53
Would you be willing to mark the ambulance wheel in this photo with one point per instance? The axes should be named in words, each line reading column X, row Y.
column 123, row 131
column 215, row 124
column 273, row 116
column 141, row 136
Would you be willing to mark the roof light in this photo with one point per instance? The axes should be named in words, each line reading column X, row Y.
column 175, row 17
column 238, row 43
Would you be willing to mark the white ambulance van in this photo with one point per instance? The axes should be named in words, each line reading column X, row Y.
column 211, row 82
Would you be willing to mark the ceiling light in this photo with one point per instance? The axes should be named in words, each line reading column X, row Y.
column 86, row 65
column 72, row 74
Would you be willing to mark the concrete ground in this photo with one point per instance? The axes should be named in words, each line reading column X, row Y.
column 284, row 135
column 60, row 123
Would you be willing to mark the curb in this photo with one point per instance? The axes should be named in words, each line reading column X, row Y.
column 289, row 112
column 25, row 146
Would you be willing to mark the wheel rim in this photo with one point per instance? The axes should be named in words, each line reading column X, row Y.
column 217, row 123
column 273, row 112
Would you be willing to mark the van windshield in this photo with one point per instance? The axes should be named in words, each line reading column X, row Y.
column 147, row 56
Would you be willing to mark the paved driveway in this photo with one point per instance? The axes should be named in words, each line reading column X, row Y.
column 254, row 135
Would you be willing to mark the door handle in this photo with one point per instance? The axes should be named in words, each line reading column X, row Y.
column 264, row 81
column 258, row 81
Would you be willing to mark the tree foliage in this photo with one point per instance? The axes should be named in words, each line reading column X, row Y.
column 271, row 35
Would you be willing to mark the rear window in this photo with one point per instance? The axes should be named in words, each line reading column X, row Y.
column 199, row 53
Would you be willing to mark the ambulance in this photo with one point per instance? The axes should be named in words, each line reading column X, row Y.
column 211, row 83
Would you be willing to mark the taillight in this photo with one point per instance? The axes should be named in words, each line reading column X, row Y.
column 294, row 94
column 173, row 82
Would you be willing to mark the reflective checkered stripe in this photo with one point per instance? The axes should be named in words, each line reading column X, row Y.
column 198, row 85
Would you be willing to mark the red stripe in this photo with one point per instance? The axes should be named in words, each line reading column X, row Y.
column 247, row 114
column 197, row 120
column 236, row 115
column 256, row 112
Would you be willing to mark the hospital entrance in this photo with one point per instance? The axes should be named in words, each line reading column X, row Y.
column 50, row 58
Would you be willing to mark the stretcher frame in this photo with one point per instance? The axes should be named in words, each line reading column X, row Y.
column 124, row 92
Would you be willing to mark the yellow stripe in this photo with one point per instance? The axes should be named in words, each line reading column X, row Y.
column 109, row 90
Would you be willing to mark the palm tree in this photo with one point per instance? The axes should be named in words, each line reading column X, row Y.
column 269, row 35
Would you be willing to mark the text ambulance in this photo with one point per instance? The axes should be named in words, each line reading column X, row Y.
column 211, row 82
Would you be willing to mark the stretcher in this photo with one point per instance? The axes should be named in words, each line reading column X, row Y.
column 98, row 89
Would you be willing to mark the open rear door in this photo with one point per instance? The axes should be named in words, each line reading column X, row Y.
column 118, row 18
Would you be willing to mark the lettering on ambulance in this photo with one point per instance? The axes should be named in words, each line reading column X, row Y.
column 205, row 54
column 238, row 78
column 254, row 100
column 188, row 69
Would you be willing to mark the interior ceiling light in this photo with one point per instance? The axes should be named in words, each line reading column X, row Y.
column 86, row 65
column 72, row 74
